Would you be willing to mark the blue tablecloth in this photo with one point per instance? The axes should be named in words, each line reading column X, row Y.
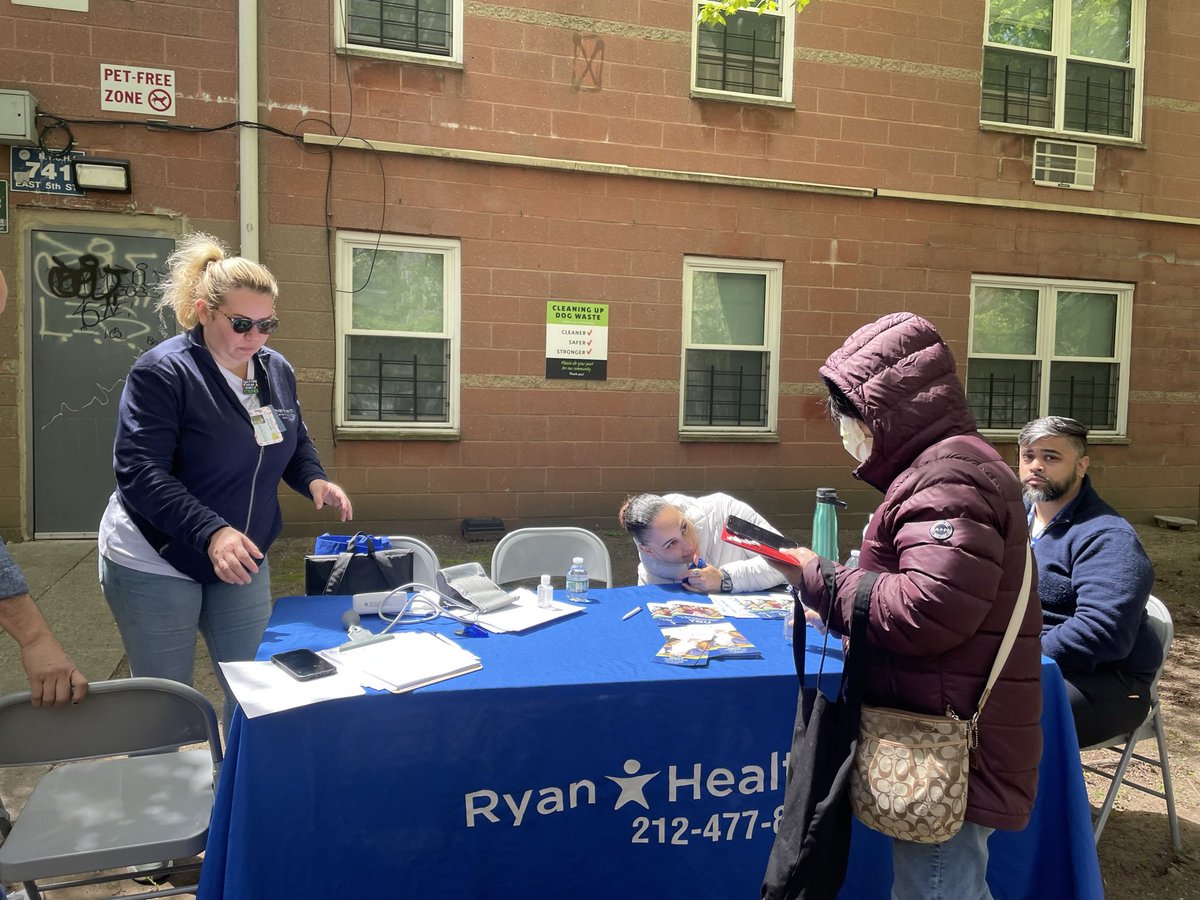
column 572, row 765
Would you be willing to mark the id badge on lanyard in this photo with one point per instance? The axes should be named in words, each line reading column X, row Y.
column 267, row 427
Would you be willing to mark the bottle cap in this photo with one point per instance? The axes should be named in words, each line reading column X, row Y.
column 545, row 579
column 829, row 495
column 578, row 561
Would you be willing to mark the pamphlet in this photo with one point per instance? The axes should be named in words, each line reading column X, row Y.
column 695, row 645
column 775, row 605
column 684, row 612
column 684, row 647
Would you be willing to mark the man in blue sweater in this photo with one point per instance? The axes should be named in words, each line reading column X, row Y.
column 1094, row 580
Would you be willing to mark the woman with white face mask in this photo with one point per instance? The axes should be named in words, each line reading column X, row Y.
column 949, row 540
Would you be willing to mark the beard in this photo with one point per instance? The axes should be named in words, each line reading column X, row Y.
column 1050, row 490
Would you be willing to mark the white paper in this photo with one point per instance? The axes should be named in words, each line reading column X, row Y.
column 411, row 659
column 524, row 613
column 263, row 687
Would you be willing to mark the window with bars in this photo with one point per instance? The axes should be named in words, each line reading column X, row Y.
column 730, row 346
column 397, row 323
column 419, row 28
column 749, row 56
column 1040, row 348
column 1068, row 66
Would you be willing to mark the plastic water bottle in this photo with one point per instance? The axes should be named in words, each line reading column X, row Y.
column 545, row 593
column 852, row 561
column 577, row 581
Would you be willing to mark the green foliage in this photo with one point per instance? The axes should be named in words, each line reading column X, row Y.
column 716, row 12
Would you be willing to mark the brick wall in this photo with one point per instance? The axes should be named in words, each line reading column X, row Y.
column 885, row 97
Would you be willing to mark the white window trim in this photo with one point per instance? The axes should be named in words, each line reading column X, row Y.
column 343, row 45
column 451, row 250
column 771, row 317
column 1060, row 47
column 1043, row 350
column 785, row 12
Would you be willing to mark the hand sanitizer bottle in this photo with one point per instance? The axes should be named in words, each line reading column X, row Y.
column 545, row 593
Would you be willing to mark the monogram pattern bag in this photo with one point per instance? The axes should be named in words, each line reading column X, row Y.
column 911, row 769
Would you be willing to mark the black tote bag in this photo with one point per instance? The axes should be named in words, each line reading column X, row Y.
column 808, row 859
column 356, row 572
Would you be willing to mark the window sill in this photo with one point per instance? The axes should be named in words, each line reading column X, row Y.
column 736, row 437
column 745, row 99
column 403, row 56
column 342, row 433
column 1051, row 134
column 1010, row 437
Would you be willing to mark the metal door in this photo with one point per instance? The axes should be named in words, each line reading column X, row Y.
column 92, row 313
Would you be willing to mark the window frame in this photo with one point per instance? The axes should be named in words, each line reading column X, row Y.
column 772, row 314
column 451, row 251
column 1059, row 54
column 1048, row 290
column 454, row 59
column 786, row 13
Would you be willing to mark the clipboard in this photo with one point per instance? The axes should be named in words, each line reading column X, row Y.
column 758, row 540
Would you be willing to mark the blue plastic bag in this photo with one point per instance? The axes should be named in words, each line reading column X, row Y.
column 339, row 543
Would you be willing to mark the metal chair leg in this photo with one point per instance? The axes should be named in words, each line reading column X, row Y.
column 1168, row 788
column 1117, row 777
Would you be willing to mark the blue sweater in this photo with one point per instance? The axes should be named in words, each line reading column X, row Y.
column 186, row 460
column 1094, row 579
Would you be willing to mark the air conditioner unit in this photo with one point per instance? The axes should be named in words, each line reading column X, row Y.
column 1064, row 164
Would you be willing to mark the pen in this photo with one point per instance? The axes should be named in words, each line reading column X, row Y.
column 633, row 612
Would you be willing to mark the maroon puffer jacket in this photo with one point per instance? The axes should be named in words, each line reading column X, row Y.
column 939, row 612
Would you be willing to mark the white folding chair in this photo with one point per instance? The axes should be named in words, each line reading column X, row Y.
column 530, row 552
column 1160, row 620
column 425, row 561
column 99, row 808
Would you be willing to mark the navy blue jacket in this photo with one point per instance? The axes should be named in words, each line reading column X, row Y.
column 1094, row 579
column 186, row 460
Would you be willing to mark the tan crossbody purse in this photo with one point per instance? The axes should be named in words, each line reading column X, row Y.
column 910, row 769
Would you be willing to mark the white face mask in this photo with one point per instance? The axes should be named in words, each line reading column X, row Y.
column 855, row 438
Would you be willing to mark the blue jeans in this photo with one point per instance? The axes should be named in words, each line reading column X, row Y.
column 158, row 617
column 952, row 870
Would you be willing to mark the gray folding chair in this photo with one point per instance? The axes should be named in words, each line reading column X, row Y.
column 1160, row 620
column 425, row 561
column 530, row 552
column 99, row 808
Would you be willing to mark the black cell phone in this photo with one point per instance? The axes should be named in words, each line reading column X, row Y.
column 758, row 539
column 303, row 665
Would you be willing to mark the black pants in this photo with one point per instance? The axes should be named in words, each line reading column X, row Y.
column 1106, row 703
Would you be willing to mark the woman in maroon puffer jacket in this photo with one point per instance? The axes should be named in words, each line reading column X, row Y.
column 950, row 538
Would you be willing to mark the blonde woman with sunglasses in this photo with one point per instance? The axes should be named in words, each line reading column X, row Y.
column 209, row 424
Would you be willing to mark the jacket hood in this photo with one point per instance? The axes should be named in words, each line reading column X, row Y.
column 901, row 377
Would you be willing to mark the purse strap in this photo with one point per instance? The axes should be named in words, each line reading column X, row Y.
column 1010, row 634
column 855, row 663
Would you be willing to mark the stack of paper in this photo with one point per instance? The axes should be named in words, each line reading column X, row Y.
column 695, row 645
column 409, row 661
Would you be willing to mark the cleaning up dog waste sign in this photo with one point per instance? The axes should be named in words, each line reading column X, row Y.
column 577, row 340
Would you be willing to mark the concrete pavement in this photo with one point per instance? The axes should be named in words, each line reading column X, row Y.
column 63, row 580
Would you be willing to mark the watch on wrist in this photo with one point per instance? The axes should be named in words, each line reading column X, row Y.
column 726, row 583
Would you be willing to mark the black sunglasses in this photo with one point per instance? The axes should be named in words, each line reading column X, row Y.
column 242, row 324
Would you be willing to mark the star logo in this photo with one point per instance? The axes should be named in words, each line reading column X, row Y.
column 633, row 787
